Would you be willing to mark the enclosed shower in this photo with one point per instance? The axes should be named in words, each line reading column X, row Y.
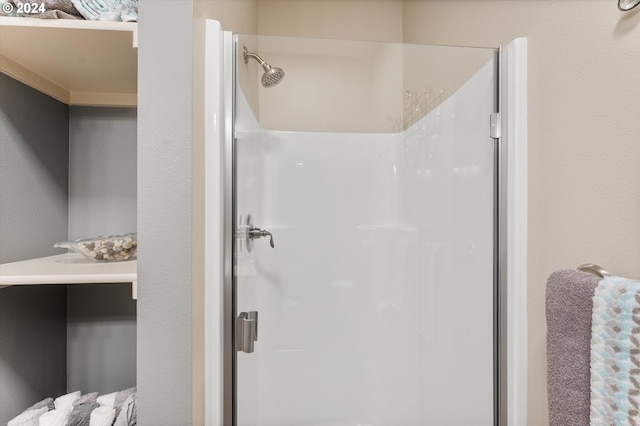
column 359, row 246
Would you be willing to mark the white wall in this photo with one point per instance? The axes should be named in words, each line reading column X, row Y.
column 584, row 178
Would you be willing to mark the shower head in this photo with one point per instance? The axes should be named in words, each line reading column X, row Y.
column 625, row 5
column 271, row 76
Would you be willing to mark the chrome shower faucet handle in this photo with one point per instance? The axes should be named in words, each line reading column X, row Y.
column 251, row 232
column 259, row 233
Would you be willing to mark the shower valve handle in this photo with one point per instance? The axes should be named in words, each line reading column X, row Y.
column 259, row 233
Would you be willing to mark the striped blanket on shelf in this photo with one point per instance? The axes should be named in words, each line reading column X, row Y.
column 615, row 353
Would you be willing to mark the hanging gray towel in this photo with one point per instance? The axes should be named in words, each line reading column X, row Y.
column 569, row 304
column 615, row 353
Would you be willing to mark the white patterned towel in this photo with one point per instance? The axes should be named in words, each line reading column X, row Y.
column 615, row 353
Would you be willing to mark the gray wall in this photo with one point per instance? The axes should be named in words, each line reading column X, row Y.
column 33, row 334
column 164, row 212
column 101, row 345
column 33, row 216
column 43, row 329
column 34, row 152
column 102, row 171
column 101, row 338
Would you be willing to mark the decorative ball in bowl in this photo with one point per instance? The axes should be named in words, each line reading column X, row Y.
column 109, row 248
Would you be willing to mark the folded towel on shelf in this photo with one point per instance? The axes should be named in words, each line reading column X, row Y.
column 86, row 398
column 66, row 401
column 121, row 397
column 569, row 302
column 102, row 416
column 129, row 10
column 53, row 9
column 615, row 353
column 57, row 417
column 7, row 8
column 108, row 10
column 81, row 414
column 128, row 412
column 29, row 417
column 47, row 402
column 107, row 400
column 74, row 409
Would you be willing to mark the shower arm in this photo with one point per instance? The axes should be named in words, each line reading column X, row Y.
column 248, row 55
column 271, row 76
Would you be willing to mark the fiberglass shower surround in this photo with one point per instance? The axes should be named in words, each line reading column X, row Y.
column 376, row 306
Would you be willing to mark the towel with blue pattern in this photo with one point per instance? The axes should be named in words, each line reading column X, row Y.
column 615, row 353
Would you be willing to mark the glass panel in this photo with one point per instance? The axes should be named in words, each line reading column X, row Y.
column 372, row 166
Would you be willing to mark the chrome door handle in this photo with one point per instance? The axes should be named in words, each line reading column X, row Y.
column 246, row 331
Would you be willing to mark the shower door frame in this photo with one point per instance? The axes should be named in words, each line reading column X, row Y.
column 510, row 343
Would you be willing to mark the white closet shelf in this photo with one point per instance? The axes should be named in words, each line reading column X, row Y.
column 70, row 268
column 78, row 62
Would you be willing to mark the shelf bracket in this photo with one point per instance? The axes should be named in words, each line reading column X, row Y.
column 134, row 38
column 134, row 290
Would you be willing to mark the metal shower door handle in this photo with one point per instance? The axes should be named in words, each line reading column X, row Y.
column 246, row 331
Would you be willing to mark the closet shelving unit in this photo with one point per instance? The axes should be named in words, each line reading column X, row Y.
column 78, row 62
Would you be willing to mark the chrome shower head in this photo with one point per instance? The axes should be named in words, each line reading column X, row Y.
column 625, row 5
column 271, row 76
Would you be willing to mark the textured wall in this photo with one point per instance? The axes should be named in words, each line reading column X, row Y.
column 101, row 338
column 240, row 16
column 101, row 346
column 33, row 216
column 102, row 171
column 165, row 212
column 33, row 335
column 378, row 20
column 584, row 178
column 34, row 130
column 101, row 331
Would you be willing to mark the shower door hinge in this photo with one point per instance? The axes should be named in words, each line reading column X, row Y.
column 495, row 125
column 246, row 331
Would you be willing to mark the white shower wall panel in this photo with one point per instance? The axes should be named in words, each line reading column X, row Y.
column 307, row 288
column 376, row 305
column 448, row 179
column 249, row 184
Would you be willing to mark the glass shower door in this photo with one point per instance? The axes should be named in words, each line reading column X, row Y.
column 364, row 253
